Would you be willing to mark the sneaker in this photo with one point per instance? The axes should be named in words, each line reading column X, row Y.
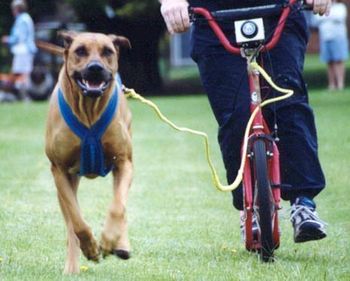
column 306, row 223
column 255, row 226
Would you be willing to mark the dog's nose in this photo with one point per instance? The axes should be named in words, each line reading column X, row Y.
column 94, row 67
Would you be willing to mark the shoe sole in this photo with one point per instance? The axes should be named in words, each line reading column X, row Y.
column 309, row 235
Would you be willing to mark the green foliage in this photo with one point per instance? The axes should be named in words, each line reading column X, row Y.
column 42, row 8
column 5, row 17
column 136, row 8
column 124, row 9
column 87, row 9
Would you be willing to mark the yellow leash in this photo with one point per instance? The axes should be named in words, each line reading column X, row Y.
column 130, row 93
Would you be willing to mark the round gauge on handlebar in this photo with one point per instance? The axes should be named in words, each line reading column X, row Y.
column 249, row 29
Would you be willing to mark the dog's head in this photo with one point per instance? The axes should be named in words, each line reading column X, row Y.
column 91, row 60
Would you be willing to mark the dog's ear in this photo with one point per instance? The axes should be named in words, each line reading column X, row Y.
column 120, row 41
column 67, row 36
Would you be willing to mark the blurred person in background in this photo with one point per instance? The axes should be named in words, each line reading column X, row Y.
column 21, row 42
column 334, row 44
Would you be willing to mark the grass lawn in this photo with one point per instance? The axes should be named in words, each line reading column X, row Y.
column 180, row 227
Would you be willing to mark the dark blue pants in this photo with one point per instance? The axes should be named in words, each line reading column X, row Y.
column 225, row 81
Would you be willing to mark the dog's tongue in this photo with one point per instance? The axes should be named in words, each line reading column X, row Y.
column 93, row 85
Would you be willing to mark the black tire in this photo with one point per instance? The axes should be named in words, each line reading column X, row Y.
column 264, row 200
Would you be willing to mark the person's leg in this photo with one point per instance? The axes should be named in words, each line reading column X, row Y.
column 327, row 54
column 340, row 53
column 331, row 76
column 225, row 82
column 22, row 66
column 300, row 166
column 339, row 73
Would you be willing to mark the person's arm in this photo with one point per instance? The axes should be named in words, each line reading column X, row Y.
column 175, row 14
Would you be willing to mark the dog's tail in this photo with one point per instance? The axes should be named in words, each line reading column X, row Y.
column 49, row 47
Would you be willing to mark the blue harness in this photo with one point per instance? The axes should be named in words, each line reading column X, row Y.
column 92, row 159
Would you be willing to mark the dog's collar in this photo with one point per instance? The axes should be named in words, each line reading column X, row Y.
column 92, row 159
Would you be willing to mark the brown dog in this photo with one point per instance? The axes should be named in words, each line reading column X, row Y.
column 86, row 85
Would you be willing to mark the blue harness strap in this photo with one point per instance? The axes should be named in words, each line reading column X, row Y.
column 92, row 159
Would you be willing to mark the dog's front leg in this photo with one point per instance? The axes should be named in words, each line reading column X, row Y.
column 73, row 245
column 114, row 238
column 78, row 232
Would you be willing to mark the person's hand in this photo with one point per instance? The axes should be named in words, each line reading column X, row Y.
column 321, row 7
column 175, row 14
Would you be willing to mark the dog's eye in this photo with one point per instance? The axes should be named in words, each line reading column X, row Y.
column 107, row 52
column 81, row 51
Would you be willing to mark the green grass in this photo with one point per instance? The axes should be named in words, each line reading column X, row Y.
column 180, row 227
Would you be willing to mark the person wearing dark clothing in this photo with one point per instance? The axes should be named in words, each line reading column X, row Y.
column 226, row 84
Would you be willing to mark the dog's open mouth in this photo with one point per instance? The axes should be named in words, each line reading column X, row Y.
column 93, row 85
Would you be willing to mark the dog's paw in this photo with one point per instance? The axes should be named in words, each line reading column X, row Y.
column 115, row 245
column 93, row 253
column 90, row 249
column 123, row 254
column 111, row 247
